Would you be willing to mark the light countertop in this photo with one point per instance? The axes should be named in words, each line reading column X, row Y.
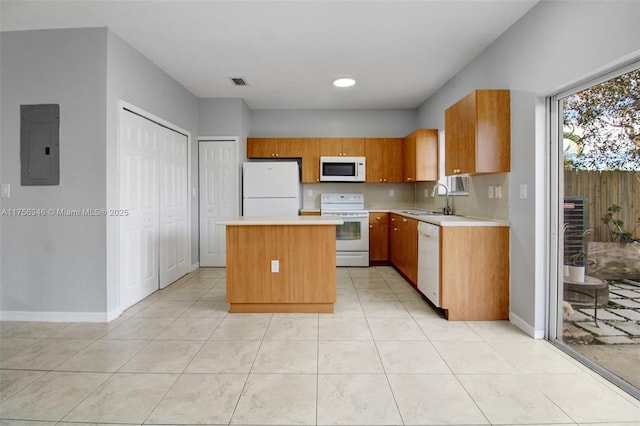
column 279, row 220
column 451, row 220
column 441, row 220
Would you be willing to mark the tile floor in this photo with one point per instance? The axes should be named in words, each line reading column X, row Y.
column 383, row 358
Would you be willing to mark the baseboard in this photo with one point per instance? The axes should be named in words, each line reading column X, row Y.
column 194, row 266
column 524, row 326
column 58, row 316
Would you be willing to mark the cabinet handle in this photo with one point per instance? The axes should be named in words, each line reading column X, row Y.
column 378, row 218
column 277, row 155
column 370, row 226
column 393, row 220
column 395, row 229
column 404, row 220
column 408, row 178
column 384, row 180
column 380, row 180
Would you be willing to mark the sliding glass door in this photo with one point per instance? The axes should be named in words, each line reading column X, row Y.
column 595, row 224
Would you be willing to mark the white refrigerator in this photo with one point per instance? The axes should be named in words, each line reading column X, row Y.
column 270, row 188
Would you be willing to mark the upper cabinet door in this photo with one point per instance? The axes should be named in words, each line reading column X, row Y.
column 478, row 134
column 384, row 160
column 342, row 147
column 330, row 147
column 353, row 147
column 262, row 147
column 420, row 152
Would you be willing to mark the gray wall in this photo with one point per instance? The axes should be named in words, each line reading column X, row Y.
column 332, row 123
column 133, row 78
column 64, row 264
column 227, row 117
column 556, row 44
column 55, row 263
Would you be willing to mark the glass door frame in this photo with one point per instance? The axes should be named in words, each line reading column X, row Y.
column 555, row 188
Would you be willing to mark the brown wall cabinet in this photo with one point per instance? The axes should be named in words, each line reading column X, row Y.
column 278, row 148
column 420, row 156
column 384, row 160
column 478, row 134
column 342, row 147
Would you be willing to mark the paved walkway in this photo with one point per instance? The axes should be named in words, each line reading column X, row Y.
column 618, row 321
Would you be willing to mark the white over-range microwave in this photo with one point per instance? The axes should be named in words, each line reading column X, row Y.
column 342, row 169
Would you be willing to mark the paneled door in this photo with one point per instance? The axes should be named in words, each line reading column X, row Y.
column 139, row 197
column 173, row 197
column 154, row 235
column 219, row 196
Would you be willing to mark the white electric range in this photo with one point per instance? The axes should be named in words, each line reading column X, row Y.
column 352, row 238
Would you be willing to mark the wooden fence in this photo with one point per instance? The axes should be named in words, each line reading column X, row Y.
column 602, row 190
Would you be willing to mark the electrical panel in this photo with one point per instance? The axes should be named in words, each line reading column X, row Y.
column 40, row 144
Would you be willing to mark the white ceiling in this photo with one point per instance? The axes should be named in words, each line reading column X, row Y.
column 289, row 52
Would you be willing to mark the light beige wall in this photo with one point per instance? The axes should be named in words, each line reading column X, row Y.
column 376, row 195
column 476, row 204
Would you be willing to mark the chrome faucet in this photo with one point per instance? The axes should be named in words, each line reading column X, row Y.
column 446, row 209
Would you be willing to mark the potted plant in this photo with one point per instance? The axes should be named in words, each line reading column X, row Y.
column 577, row 263
column 614, row 226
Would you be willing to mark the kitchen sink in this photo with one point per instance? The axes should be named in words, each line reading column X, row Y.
column 423, row 212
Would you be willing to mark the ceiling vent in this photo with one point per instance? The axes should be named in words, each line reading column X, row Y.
column 238, row 81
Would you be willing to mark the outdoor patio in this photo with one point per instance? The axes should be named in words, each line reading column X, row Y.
column 614, row 342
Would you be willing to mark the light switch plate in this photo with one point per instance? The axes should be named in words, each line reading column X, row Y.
column 498, row 191
column 309, row 192
column 523, row 191
column 392, row 193
column 275, row 266
column 5, row 190
column 490, row 191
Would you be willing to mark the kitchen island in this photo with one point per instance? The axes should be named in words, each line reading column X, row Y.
column 281, row 264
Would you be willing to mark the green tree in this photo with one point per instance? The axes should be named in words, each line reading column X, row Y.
column 603, row 122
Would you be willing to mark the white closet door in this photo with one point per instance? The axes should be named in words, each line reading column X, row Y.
column 138, row 195
column 173, row 198
column 218, row 172
column 154, row 237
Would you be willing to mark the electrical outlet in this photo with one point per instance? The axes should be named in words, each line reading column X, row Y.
column 490, row 191
column 426, row 193
column 275, row 266
column 498, row 191
column 5, row 190
column 309, row 192
column 392, row 193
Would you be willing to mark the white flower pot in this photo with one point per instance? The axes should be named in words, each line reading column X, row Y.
column 576, row 273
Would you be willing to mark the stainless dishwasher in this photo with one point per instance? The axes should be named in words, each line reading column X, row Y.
column 429, row 261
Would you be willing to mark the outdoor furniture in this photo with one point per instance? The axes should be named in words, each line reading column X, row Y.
column 589, row 287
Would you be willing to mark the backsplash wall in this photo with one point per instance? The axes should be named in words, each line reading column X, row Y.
column 376, row 195
column 412, row 195
column 477, row 203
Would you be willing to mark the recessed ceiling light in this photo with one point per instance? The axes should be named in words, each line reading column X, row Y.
column 344, row 82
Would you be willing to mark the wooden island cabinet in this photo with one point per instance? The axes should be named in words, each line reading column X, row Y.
column 283, row 264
